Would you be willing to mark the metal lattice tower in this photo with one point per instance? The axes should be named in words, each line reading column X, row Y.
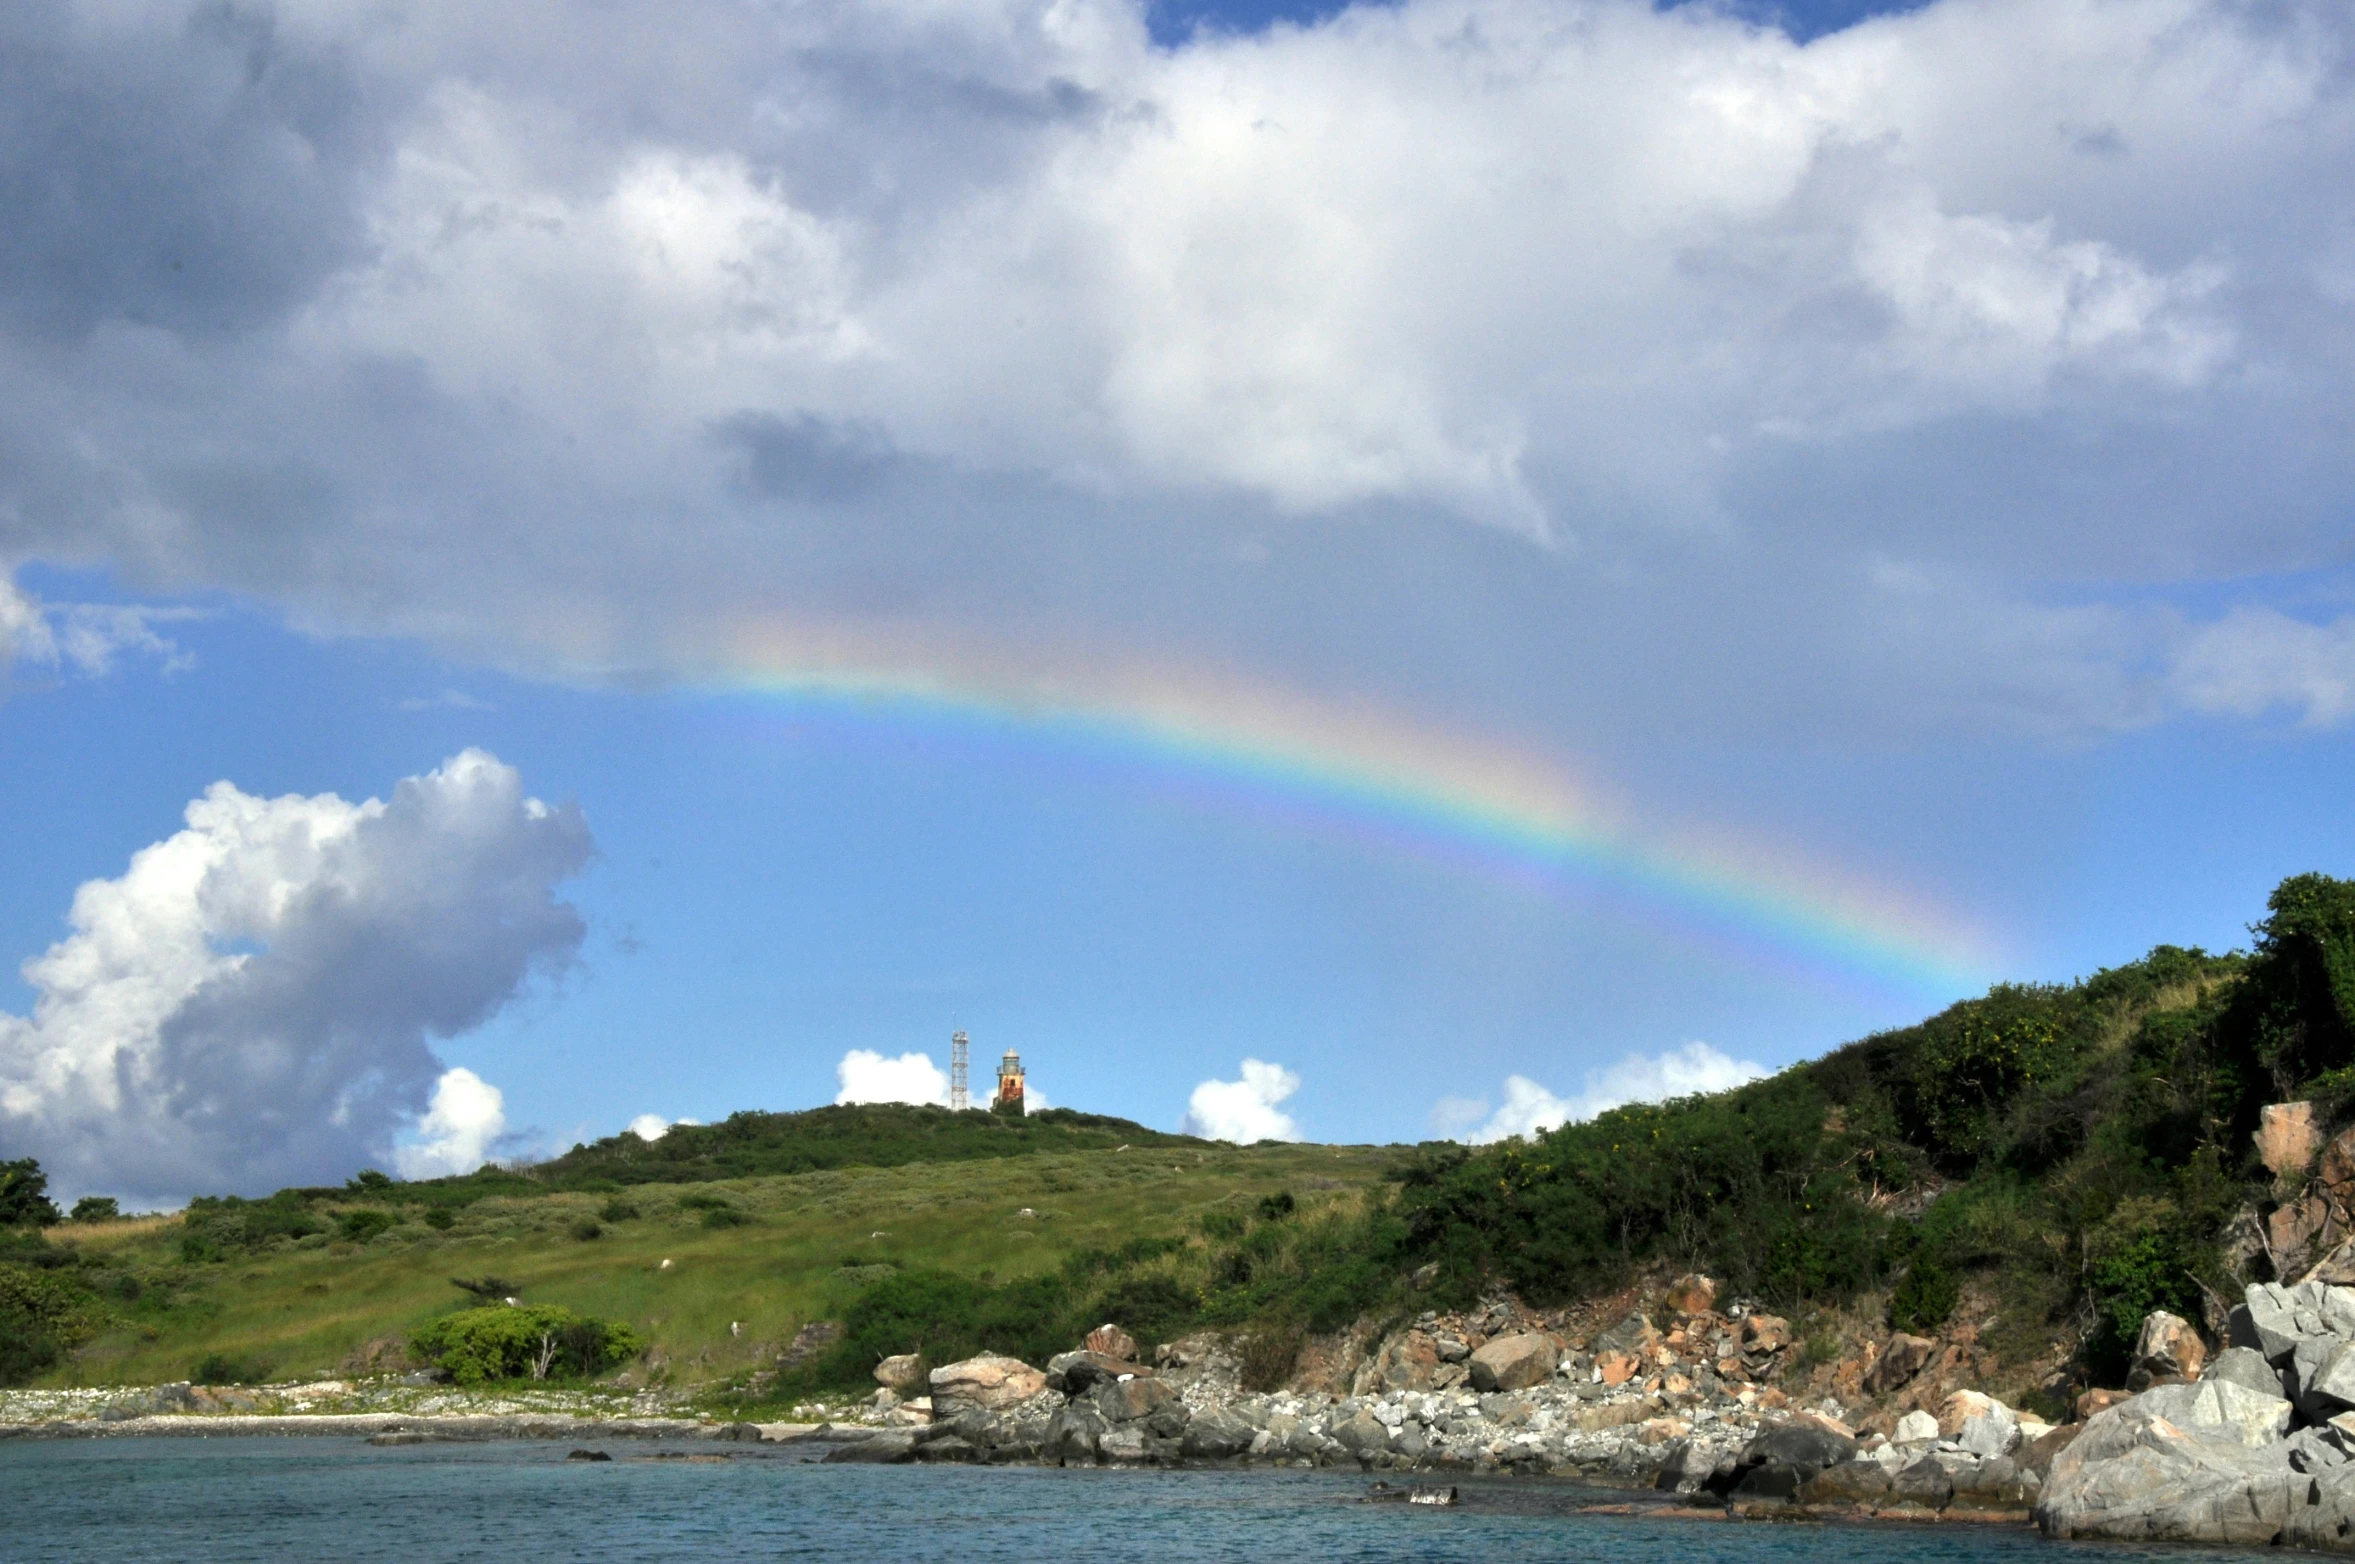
column 959, row 1098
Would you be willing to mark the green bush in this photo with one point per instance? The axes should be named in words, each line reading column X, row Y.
column 617, row 1210
column 363, row 1224
column 1924, row 1297
column 44, row 1312
column 1277, row 1206
column 440, row 1218
column 586, row 1229
column 724, row 1216
column 539, row 1341
column 223, row 1368
column 97, row 1208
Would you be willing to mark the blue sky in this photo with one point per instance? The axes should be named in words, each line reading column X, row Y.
column 1902, row 459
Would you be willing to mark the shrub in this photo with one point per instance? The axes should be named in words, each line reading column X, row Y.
column 440, row 1218
column 1924, row 1297
column 586, row 1229
column 724, row 1216
column 1223, row 1223
column 360, row 1226
column 617, row 1210
column 223, row 1368
column 97, row 1208
column 43, row 1312
column 1277, row 1206
column 485, row 1346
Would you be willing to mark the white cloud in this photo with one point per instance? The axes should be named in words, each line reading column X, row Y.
column 252, row 1002
column 82, row 638
column 1528, row 1107
column 867, row 1076
column 1244, row 1110
column 2256, row 660
column 653, row 1126
column 464, row 1120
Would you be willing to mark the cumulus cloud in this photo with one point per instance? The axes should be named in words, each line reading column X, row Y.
column 653, row 1126
column 252, row 1003
column 1729, row 313
column 1244, row 1110
column 1528, row 1107
column 2258, row 660
column 463, row 1121
column 867, row 1076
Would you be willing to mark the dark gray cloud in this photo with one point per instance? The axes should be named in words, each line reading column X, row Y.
column 254, row 1001
column 1580, row 381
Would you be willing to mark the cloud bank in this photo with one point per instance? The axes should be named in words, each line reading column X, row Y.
column 253, row 1002
column 1528, row 1107
column 1244, row 1110
column 409, row 324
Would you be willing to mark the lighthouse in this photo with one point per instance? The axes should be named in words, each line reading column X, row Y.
column 1009, row 1097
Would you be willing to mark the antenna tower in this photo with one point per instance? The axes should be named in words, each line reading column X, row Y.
column 959, row 1098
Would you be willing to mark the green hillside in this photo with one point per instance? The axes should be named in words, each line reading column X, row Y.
column 2068, row 1156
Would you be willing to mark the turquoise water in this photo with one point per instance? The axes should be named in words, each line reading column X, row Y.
column 238, row 1499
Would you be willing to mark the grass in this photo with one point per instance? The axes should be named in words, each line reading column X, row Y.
column 808, row 1244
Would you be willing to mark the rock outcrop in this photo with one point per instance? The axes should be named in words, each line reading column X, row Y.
column 2256, row 1451
column 982, row 1384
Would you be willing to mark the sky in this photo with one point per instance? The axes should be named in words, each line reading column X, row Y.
column 1349, row 572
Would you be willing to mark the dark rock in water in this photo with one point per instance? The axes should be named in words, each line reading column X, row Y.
column 950, row 1449
column 1073, row 1435
column 741, row 1433
column 1997, row 1484
column 882, row 1449
column 1799, row 1444
column 1857, row 1483
column 1772, row 1480
column 412, row 1436
column 588, row 1455
column 1216, row 1435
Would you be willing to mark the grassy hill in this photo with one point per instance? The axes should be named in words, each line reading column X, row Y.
column 2068, row 1156
column 308, row 1280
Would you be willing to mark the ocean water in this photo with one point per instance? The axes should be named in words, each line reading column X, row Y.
column 310, row 1498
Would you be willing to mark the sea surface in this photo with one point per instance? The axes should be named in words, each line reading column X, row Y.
column 316, row 1498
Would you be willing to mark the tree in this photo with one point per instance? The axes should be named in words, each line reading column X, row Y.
column 24, row 1195
column 96, row 1208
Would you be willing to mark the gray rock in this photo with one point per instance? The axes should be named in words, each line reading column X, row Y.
column 1925, row 1483
column 2313, row 1450
column 1515, row 1362
column 2213, row 1406
column 1800, row 1445
column 1074, row 1372
column 1361, row 1435
column 886, row 1449
column 1989, row 1436
column 1071, row 1436
column 2324, row 1368
column 1851, row 1483
column 2133, row 1476
column 949, row 1449
column 2246, row 1367
column 2320, row 1513
column 1127, row 1400
column 1772, row 1480
column 1123, row 1444
column 1997, row 1484
column 1217, row 1434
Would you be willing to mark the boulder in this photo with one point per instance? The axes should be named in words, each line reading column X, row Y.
column 900, row 1374
column 2167, row 1348
column 1122, row 1444
column 2092, row 1403
column 987, row 1382
column 882, row 1449
column 1798, row 1444
column 1616, row 1368
column 950, row 1448
column 1765, row 1333
column 1925, row 1483
column 1071, row 1436
column 1857, row 1484
column 1113, row 1342
column 1451, row 1349
column 2213, row 1408
column 2037, row 1454
column 1361, row 1434
column 2294, row 1233
column 1997, row 1484
column 1692, row 1293
column 1127, row 1400
column 2273, row 1319
column 1515, row 1362
column 1988, row 1437
column 1074, row 1372
column 1218, row 1434
column 2287, row 1138
column 2135, row 1476
column 2246, row 1368
column 1916, row 1428
column 2336, row 1174
column 1963, row 1405
column 1899, row 1361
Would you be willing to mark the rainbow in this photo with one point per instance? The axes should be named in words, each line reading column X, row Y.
column 1352, row 768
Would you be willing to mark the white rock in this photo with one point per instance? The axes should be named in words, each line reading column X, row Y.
column 1917, row 1428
